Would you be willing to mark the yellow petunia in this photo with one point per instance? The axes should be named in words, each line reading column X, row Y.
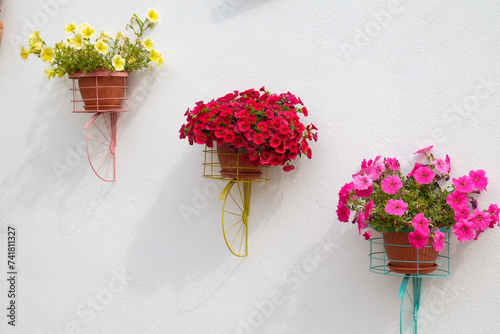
column 87, row 31
column 47, row 55
column 160, row 61
column 81, row 26
column 148, row 44
column 118, row 62
column 77, row 41
column 155, row 55
column 153, row 15
column 24, row 53
column 50, row 73
column 71, row 27
column 101, row 47
column 35, row 36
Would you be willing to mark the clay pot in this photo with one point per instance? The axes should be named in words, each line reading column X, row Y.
column 101, row 91
column 397, row 249
column 232, row 167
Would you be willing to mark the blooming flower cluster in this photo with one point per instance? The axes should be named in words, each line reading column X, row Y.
column 385, row 200
column 77, row 52
column 264, row 127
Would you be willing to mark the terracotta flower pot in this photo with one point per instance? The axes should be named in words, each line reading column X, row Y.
column 233, row 167
column 397, row 249
column 101, row 90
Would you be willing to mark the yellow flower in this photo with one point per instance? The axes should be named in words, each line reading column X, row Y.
column 131, row 60
column 24, row 53
column 118, row 62
column 155, row 55
column 50, row 73
column 87, row 31
column 101, row 47
column 153, row 15
column 35, row 36
column 70, row 27
column 160, row 61
column 38, row 45
column 148, row 44
column 81, row 26
column 77, row 41
column 47, row 55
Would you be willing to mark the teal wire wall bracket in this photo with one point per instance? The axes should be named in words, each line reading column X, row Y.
column 409, row 293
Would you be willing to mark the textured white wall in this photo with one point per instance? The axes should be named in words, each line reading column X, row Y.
column 378, row 77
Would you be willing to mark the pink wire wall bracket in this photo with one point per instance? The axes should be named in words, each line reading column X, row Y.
column 104, row 94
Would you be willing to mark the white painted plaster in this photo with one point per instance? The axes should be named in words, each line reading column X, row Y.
column 378, row 77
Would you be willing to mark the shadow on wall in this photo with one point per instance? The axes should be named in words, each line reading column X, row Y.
column 57, row 166
column 180, row 242
column 227, row 9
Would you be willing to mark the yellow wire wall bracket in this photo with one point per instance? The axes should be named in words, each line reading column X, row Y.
column 236, row 197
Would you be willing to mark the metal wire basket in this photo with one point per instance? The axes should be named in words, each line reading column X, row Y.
column 379, row 260
column 212, row 168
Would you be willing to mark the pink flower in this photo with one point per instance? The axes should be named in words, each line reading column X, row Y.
column 418, row 238
column 494, row 211
column 364, row 193
column 463, row 184
column 421, row 222
column 391, row 184
column 367, row 235
column 392, row 163
column 425, row 151
column 424, row 175
column 462, row 212
column 463, row 230
column 288, row 167
column 344, row 193
column 442, row 166
column 480, row 220
column 343, row 213
column 438, row 243
column 368, row 208
column 361, row 222
column 377, row 170
column 396, row 207
column 478, row 179
column 362, row 182
column 456, row 199
column 417, row 166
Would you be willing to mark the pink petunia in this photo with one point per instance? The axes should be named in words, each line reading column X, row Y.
column 494, row 211
column 438, row 242
column 463, row 230
column 343, row 213
column 425, row 150
column 478, row 179
column 463, row 184
column 377, row 170
column 288, row 167
column 424, row 175
column 391, row 184
column 442, row 166
column 418, row 238
column 362, row 224
column 368, row 208
column 417, row 166
column 396, row 207
column 367, row 235
column 480, row 220
column 392, row 163
column 456, row 199
column 462, row 212
column 421, row 222
column 344, row 193
column 362, row 182
column 364, row 193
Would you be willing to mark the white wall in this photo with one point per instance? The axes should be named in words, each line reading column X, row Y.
column 378, row 77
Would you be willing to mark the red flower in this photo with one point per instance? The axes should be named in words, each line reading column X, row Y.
column 243, row 125
column 229, row 136
column 275, row 141
column 201, row 139
column 262, row 126
column 258, row 138
column 288, row 167
column 239, row 142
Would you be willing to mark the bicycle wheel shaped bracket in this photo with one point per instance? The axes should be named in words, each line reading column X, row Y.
column 104, row 94
column 409, row 293
column 236, row 203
